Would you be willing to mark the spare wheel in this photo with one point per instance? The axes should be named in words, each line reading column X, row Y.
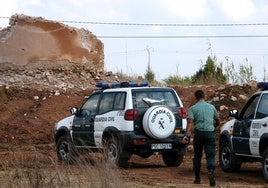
column 159, row 122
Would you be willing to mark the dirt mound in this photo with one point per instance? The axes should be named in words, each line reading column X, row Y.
column 31, row 39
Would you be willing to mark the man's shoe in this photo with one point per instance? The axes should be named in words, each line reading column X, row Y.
column 197, row 181
column 197, row 177
column 212, row 181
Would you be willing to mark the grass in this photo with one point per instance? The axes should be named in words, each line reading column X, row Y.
column 42, row 170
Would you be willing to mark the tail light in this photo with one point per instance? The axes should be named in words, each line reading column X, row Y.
column 131, row 114
column 139, row 141
column 182, row 112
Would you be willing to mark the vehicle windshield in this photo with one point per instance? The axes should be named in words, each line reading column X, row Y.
column 151, row 98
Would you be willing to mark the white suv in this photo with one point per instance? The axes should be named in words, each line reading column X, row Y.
column 245, row 138
column 124, row 119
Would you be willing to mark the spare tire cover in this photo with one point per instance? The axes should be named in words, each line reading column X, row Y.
column 159, row 122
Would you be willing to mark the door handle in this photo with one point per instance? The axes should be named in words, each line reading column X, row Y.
column 264, row 125
column 240, row 140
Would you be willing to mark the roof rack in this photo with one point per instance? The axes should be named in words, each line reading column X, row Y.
column 106, row 85
column 262, row 86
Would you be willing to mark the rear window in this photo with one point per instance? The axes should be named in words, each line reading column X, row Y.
column 145, row 99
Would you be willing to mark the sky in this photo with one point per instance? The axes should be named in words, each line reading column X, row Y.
column 174, row 37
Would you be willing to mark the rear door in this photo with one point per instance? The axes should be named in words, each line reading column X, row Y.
column 259, row 125
column 110, row 114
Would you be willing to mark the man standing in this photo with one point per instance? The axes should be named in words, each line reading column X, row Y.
column 203, row 118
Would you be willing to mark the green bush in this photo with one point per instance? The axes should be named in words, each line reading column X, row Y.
column 240, row 75
column 210, row 73
column 149, row 75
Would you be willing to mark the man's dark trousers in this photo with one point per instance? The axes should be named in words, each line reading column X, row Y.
column 206, row 140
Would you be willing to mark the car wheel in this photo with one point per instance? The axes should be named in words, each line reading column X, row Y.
column 265, row 164
column 228, row 160
column 114, row 153
column 65, row 150
column 159, row 122
column 172, row 158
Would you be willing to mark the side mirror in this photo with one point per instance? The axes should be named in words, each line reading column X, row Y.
column 233, row 113
column 74, row 110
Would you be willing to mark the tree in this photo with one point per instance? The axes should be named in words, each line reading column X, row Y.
column 149, row 75
column 209, row 73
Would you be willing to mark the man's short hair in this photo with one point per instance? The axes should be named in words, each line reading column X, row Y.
column 199, row 94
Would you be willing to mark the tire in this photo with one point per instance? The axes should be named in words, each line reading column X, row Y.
column 227, row 158
column 159, row 122
column 172, row 159
column 114, row 153
column 65, row 150
column 265, row 164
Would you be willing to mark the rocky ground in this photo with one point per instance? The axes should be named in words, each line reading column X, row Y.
column 33, row 99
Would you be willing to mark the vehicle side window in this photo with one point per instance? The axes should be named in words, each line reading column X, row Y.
column 262, row 111
column 90, row 106
column 249, row 111
column 119, row 102
column 106, row 103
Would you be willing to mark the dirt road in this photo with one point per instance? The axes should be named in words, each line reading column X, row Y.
column 144, row 173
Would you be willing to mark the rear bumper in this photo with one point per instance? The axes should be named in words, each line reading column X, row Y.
column 138, row 144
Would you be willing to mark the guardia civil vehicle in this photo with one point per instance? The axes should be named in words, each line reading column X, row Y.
column 122, row 119
column 245, row 138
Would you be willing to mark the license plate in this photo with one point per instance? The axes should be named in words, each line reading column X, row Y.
column 161, row 146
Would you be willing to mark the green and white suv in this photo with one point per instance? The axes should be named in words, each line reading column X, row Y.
column 124, row 119
column 245, row 138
